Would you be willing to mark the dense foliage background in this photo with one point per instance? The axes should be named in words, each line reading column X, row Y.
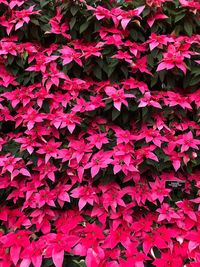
column 99, row 111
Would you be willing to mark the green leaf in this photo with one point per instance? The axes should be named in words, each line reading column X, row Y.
column 110, row 71
column 35, row 21
column 72, row 23
column 47, row 263
column 162, row 75
column 145, row 111
column 188, row 27
column 10, row 59
column 84, row 26
column 125, row 117
column 74, row 10
column 97, row 72
column 25, row 55
column 195, row 71
column 80, row 263
column 154, row 80
column 115, row 114
column 12, row 147
column 179, row 17
column 97, row 26
column 124, row 69
column 195, row 80
column 134, row 34
column 146, row 12
column 44, row 3
column 177, row 29
column 133, row 106
column 150, row 60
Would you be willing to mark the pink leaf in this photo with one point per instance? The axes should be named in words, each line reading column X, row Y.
column 124, row 23
column 58, row 257
column 117, row 105
column 153, row 45
column 161, row 66
column 176, row 164
column 94, row 170
column 152, row 156
column 30, row 150
column 67, row 60
column 142, row 104
column 25, row 263
column 64, row 197
column 155, row 104
column 99, row 17
column 140, row 9
column 181, row 67
column 37, row 260
column 30, row 125
column 25, row 172
column 192, row 245
column 19, row 25
column 71, row 127
column 92, row 258
column 81, row 204
column 117, row 168
column 14, row 254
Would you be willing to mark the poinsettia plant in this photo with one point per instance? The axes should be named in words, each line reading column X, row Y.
column 99, row 133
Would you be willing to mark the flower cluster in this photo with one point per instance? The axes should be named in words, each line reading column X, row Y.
column 99, row 120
